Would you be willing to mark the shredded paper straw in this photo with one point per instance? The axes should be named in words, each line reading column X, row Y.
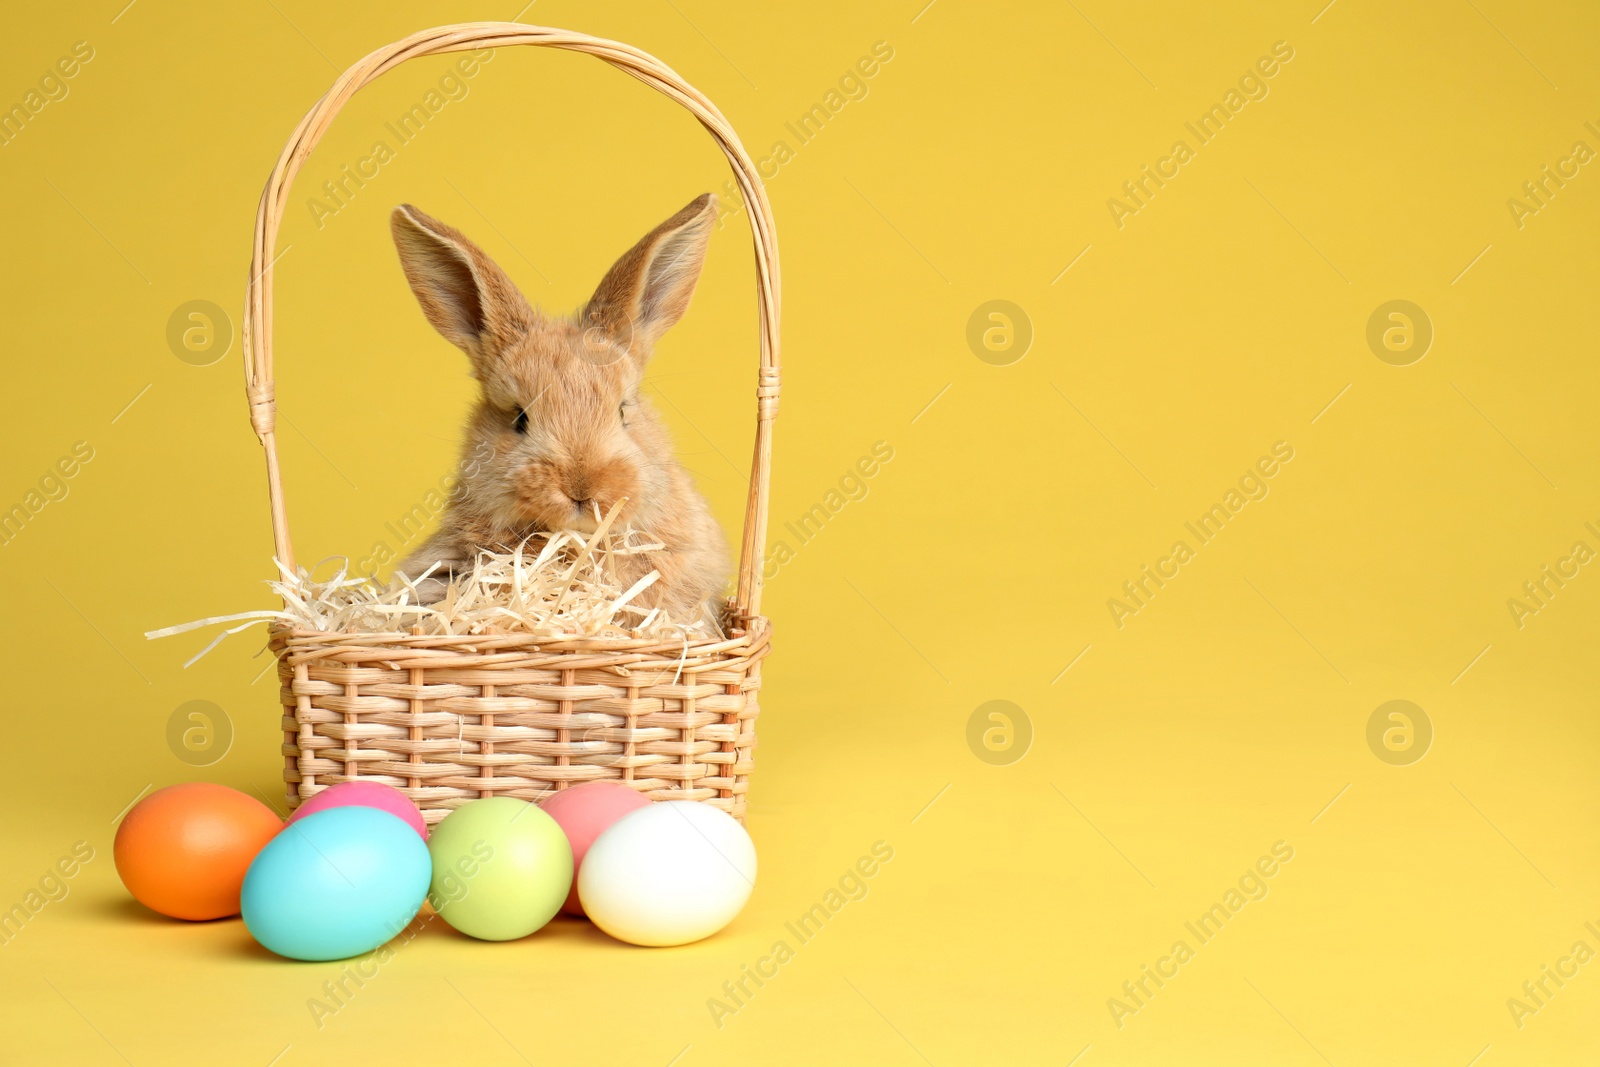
column 560, row 584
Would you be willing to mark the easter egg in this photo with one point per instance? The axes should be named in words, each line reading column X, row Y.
column 669, row 874
column 501, row 868
column 183, row 850
column 368, row 795
column 335, row 884
column 583, row 811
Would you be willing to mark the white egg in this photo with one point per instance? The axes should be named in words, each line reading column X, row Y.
column 669, row 874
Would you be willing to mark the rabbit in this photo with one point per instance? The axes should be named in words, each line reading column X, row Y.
column 560, row 431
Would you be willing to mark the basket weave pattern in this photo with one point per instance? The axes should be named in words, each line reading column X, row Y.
column 509, row 717
column 452, row 718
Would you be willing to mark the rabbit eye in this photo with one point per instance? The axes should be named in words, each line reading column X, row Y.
column 520, row 423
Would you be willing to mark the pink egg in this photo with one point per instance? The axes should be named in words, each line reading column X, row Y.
column 365, row 795
column 584, row 812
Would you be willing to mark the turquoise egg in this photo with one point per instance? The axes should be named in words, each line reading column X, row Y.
column 336, row 884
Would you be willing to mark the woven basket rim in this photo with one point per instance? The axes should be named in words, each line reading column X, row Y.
column 755, row 630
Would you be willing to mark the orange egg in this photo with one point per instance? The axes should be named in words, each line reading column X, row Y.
column 183, row 850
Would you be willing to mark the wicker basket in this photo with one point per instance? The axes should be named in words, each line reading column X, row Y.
column 449, row 719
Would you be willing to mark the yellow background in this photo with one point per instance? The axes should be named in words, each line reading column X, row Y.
column 1224, row 317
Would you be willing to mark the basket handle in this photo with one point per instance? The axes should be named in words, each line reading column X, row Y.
column 257, row 333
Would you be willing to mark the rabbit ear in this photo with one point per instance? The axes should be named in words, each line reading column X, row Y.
column 466, row 296
column 648, row 289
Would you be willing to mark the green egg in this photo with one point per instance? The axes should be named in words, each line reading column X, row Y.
column 501, row 868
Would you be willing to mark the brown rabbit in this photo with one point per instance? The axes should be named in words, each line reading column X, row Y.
column 560, row 429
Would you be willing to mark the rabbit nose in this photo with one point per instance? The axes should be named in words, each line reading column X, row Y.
column 581, row 495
